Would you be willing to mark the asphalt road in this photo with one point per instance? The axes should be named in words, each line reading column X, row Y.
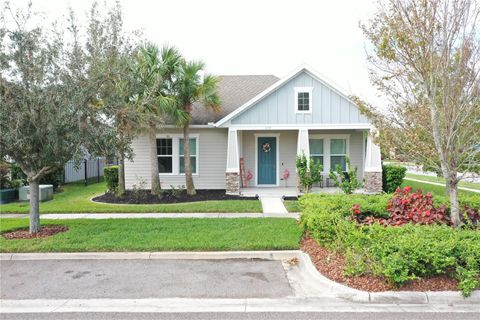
column 246, row 316
column 139, row 279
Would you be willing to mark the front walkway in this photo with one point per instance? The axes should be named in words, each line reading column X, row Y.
column 67, row 216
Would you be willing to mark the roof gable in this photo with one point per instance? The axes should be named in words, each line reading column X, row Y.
column 234, row 91
column 275, row 105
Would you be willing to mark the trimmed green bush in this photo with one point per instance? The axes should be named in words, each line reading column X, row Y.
column 392, row 177
column 399, row 254
column 111, row 177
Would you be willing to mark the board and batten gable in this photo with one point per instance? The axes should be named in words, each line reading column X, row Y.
column 212, row 146
column 329, row 106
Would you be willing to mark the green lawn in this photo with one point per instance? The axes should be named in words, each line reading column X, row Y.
column 76, row 198
column 470, row 185
column 159, row 235
column 292, row 205
column 434, row 189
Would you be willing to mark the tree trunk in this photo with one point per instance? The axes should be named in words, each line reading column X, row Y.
column 454, row 205
column 121, row 175
column 155, row 186
column 34, row 206
column 186, row 158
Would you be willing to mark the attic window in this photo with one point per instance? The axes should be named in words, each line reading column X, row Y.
column 303, row 99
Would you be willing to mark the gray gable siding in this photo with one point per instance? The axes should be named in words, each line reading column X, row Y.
column 329, row 107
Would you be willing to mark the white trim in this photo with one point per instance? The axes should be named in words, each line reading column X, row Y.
column 277, row 85
column 237, row 168
column 267, row 135
column 332, row 126
column 176, row 154
column 308, row 90
column 193, row 126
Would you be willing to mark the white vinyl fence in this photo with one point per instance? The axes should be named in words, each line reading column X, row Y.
column 89, row 170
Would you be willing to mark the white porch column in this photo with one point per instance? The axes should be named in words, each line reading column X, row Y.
column 303, row 145
column 373, row 166
column 232, row 174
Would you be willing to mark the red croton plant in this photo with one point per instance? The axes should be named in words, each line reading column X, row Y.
column 407, row 207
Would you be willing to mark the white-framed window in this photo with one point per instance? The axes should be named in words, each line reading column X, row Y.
column 316, row 150
column 170, row 154
column 303, row 99
column 338, row 153
column 165, row 155
column 193, row 155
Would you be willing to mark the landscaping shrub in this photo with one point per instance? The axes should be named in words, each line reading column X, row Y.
column 54, row 178
column 406, row 207
column 111, row 177
column 398, row 253
column 392, row 177
column 346, row 181
column 309, row 172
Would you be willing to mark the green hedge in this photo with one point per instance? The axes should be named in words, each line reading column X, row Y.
column 397, row 253
column 111, row 177
column 392, row 177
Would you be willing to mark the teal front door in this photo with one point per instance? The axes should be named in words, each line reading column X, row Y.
column 267, row 160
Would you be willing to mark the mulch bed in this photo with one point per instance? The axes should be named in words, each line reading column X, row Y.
column 331, row 265
column 145, row 197
column 45, row 231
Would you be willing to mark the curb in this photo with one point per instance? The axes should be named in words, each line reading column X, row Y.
column 386, row 297
column 172, row 305
column 165, row 255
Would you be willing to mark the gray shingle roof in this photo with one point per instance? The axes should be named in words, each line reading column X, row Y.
column 234, row 91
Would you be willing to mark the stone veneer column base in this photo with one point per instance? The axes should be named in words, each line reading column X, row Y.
column 373, row 182
column 232, row 182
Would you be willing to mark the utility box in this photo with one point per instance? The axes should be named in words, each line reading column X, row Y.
column 45, row 193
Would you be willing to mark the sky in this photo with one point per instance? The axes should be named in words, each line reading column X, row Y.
column 254, row 37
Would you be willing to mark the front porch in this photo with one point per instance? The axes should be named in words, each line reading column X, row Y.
column 262, row 161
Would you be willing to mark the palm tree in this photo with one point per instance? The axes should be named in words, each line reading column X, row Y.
column 153, row 70
column 190, row 87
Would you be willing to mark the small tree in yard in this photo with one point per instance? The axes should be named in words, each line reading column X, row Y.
column 426, row 60
column 189, row 88
column 153, row 70
column 309, row 172
column 346, row 181
column 48, row 99
column 114, row 50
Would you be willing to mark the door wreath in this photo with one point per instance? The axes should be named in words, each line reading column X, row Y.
column 266, row 147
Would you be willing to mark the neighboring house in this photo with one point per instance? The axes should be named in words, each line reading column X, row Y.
column 266, row 121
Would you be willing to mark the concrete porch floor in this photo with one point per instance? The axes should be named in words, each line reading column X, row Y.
column 282, row 191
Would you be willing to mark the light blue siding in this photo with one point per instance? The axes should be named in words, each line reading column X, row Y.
column 329, row 107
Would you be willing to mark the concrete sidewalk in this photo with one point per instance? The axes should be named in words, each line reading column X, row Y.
column 441, row 184
column 67, row 216
column 272, row 205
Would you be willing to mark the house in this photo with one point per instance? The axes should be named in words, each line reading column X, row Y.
column 266, row 122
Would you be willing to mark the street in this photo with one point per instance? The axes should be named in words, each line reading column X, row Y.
column 245, row 316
